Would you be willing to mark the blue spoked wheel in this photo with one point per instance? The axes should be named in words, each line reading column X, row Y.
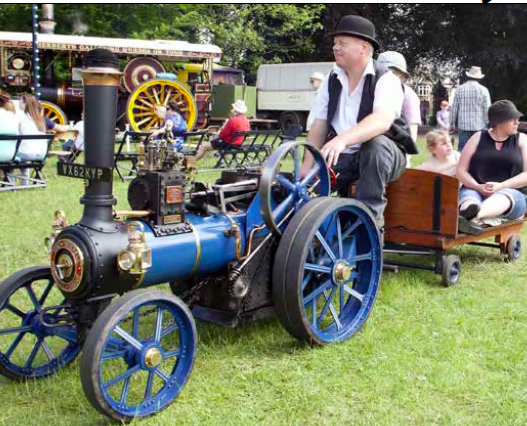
column 333, row 262
column 29, row 346
column 138, row 355
column 282, row 192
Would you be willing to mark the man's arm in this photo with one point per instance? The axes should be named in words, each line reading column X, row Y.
column 316, row 137
column 375, row 124
column 454, row 112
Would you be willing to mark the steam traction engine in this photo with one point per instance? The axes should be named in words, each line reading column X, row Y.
column 255, row 243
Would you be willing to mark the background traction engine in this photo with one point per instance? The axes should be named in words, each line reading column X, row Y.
column 253, row 244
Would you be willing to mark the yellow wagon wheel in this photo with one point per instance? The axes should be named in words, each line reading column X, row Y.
column 53, row 111
column 145, row 104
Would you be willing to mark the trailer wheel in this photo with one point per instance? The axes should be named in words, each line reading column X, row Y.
column 451, row 270
column 291, row 118
column 513, row 248
column 332, row 272
column 138, row 355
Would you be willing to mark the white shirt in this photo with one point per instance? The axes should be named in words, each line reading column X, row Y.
column 388, row 94
column 79, row 140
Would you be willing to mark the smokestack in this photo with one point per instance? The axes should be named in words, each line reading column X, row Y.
column 100, row 78
column 47, row 23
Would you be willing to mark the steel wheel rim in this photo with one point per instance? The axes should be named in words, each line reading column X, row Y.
column 334, row 310
column 142, row 103
column 137, row 360
column 30, row 326
column 297, row 190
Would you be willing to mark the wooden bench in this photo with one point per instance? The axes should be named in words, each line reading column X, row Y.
column 11, row 181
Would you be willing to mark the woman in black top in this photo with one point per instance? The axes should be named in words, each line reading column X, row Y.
column 493, row 169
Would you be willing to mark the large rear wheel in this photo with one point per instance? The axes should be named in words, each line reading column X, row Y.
column 146, row 103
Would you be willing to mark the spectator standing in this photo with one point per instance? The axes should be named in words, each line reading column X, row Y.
column 443, row 117
column 470, row 107
column 315, row 80
column 174, row 124
column 396, row 62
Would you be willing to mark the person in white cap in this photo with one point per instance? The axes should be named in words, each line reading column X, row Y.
column 469, row 112
column 237, row 123
column 315, row 80
column 412, row 105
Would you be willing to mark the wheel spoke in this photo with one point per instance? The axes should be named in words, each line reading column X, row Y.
column 339, row 237
column 285, row 182
column 282, row 207
column 149, row 384
column 317, row 268
column 47, row 350
column 326, row 305
column 353, row 248
column 128, row 373
column 131, row 340
column 167, row 96
column 306, row 280
column 114, row 344
column 159, row 324
column 113, row 355
column 296, row 159
column 33, row 353
column 124, row 392
column 354, row 293
column 361, row 257
column 14, row 345
column 23, row 329
column 46, row 293
column 351, row 229
column 161, row 375
column 317, row 292
column 33, row 297
column 135, row 324
column 333, row 311
column 170, row 354
column 145, row 102
column 15, row 310
column 312, row 173
column 156, row 95
column 169, row 330
column 326, row 246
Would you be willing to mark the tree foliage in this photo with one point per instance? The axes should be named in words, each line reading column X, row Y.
column 429, row 35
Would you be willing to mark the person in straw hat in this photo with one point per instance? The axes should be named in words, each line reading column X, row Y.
column 469, row 112
column 355, row 111
column 237, row 123
column 315, row 80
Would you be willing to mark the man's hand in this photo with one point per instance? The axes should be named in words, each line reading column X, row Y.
column 452, row 129
column 332, row 150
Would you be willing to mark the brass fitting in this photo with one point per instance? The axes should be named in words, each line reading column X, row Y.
column 137, row 258
column 58, row 225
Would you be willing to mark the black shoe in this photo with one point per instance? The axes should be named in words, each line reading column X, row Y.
column 465, row 226
column 470, row 212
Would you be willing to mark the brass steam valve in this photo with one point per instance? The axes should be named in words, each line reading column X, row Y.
column 137, row 258
column 58, row 225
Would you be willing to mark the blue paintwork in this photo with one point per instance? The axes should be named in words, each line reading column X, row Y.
column 335, row 311
column 173, row 257
column 31, row 327
column 176, row 340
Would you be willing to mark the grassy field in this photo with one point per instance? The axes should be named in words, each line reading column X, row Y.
column 428, row 355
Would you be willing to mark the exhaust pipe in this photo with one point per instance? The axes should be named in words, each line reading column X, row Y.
column 100, row 78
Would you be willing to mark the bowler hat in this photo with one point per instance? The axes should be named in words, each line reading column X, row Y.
column 503, row 110
column 357, row 26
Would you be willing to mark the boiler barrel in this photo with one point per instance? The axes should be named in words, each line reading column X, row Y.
column 206, row 250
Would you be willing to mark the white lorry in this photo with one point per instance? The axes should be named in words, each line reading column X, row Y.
column 284, row 92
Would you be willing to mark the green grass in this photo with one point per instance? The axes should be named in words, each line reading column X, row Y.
column 428, row 355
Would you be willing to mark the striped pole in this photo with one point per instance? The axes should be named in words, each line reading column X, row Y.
column 34, row 30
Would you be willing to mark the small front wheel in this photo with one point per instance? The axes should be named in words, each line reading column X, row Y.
column 138, row 355
column 451, row 270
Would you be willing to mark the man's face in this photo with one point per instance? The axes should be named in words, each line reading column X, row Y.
column 348, row 50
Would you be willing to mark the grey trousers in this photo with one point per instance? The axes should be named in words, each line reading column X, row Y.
column 377, row 163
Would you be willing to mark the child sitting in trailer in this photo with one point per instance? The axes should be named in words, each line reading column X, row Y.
column 443, row 158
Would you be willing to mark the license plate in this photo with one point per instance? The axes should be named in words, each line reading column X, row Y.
column 80, row 171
